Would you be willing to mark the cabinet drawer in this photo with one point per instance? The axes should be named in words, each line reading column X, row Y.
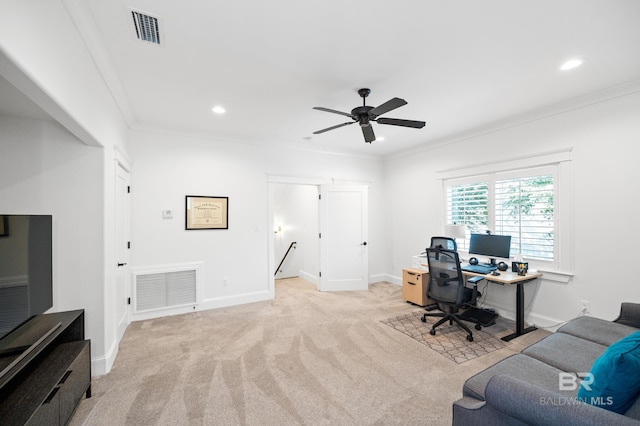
column 49, row 411
column 414, row 286
column 75, row 381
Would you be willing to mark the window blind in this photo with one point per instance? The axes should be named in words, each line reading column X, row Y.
column 524, row 209
column 468, row 204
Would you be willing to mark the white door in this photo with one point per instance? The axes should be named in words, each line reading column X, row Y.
column 123, row 232
column 344, row 260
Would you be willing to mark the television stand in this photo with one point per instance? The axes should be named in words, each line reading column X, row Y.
column 45, row 369
column 13, row 351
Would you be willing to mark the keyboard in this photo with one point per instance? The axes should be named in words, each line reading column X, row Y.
column 478, row 269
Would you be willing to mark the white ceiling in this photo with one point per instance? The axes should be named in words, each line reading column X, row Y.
column 460, row 64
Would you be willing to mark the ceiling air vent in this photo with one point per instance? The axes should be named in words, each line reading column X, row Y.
column 146, row 26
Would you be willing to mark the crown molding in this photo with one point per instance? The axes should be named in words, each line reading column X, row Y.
column 236, row 140
column 563, row 107
column 85, row 26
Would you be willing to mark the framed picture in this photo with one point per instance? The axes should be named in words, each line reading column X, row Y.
column 4, row 226
column 204, row 212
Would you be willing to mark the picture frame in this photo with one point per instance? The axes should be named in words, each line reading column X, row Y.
column 523, row 268
column 206, row 212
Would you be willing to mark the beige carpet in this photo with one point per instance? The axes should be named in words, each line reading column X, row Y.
column 304, row 358
column 449, row 340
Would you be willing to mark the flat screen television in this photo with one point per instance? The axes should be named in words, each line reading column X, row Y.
column 492, row 246
column 26, row 279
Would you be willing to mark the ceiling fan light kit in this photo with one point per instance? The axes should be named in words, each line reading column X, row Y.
column 365, row 114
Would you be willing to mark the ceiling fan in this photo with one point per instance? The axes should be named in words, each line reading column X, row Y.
column 365, row 114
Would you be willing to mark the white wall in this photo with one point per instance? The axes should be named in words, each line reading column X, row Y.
column 169, row 167
column 43, row 55
column 296, row 212
column 604, row 137
column 49, row 171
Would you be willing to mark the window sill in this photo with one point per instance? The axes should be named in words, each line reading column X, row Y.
column 557, row 276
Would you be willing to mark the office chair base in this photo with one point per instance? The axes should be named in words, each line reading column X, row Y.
column 451, row 319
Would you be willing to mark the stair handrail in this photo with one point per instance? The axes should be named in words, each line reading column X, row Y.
column 284, row 257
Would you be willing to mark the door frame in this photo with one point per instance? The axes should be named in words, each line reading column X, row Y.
column 292, row 180
column 121, row 324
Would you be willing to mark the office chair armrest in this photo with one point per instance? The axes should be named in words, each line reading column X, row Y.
column 475, row 280
column 629, row 315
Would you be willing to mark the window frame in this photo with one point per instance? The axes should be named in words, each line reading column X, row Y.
column 559, row 163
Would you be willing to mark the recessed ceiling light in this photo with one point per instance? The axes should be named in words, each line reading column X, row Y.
column 571, row 64
column 218, row 109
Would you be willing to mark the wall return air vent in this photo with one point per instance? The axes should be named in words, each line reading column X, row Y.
column 146, row 27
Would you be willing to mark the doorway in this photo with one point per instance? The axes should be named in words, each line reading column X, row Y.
column 332, row 250
column 296, row 229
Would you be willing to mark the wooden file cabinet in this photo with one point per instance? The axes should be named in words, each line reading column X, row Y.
column 414, row 286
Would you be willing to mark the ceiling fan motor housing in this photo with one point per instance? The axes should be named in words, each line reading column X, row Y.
column 362, row 114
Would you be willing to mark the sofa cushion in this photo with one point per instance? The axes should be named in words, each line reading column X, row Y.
column 597, row 330
column 616, row 376
column 521, row 367
column 566, row 352
column 634, row 411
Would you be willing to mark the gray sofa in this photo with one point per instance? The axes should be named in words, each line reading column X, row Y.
column 525, row 388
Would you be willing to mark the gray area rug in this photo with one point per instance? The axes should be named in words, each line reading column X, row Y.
column 449, row 341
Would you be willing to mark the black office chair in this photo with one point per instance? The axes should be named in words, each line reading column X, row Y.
column 447, row 288
column 444, row 243
column 449, row 243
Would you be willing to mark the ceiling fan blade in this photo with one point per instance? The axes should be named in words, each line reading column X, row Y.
column 386, row 107
column 333, row 111
column 399, row 122
column 367, row 131
column 332, row 127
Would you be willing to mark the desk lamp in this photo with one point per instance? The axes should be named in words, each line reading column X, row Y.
column 455, row 231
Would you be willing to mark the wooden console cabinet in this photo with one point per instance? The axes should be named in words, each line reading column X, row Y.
column 45, row 368
column 414, row 286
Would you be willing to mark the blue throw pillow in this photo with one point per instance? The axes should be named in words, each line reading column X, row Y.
column 616, row 376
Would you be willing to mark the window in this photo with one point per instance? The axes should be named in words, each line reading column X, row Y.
column 524, row 210
column 520, row 203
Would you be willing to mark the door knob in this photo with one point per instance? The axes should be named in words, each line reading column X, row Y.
column 364, row 244
column 121, row 264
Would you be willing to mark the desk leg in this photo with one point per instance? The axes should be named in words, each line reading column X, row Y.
column 520, row 330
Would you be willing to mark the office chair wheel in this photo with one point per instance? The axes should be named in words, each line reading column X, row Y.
column 469, row 338
column 478, row 327
column 423, row 319
column 432, row 332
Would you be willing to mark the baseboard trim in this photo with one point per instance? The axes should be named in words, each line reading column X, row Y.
column 224, row 302
column 308, row 277
column 393, row 279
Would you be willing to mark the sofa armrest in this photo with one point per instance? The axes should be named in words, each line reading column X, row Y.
column 533, row 405
column 629, row 314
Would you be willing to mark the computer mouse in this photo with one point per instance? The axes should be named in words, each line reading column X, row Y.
column 495, row 273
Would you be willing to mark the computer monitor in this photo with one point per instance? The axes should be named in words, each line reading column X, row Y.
column 491, row 246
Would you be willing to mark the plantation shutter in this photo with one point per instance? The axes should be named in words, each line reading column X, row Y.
column 468, row 204
column 524, row 209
